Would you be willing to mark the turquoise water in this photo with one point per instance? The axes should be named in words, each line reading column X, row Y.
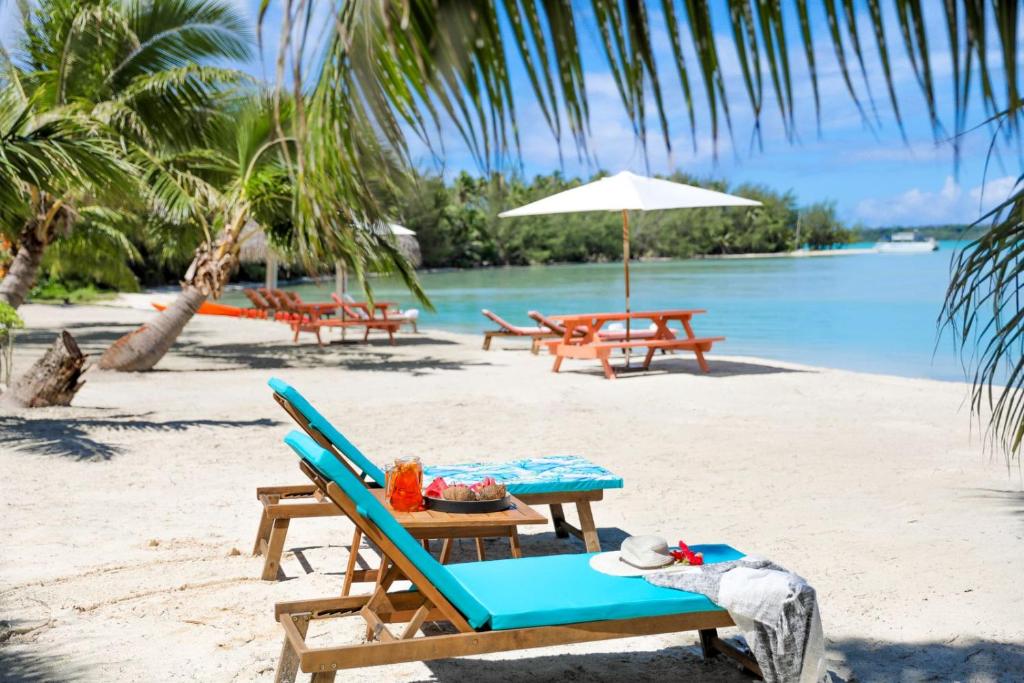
column 874, row 312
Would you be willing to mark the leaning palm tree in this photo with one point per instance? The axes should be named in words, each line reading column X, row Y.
column 415, row 66
column 238, row 181
column 131, row 67
column 42, row 163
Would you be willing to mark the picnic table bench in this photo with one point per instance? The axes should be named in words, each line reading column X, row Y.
column 590, row 346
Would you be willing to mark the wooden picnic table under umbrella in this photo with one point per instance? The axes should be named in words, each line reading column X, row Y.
column 625, row 192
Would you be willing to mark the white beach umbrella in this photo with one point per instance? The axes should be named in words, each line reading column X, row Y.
column 627, row 192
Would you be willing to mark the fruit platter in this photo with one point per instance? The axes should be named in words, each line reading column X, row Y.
column 486, row 495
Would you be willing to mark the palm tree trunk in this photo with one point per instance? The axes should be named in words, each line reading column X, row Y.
column 206, row 277
column 21, row 276
column 143, row 348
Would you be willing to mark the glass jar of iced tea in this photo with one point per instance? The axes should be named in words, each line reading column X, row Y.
column 404, row 485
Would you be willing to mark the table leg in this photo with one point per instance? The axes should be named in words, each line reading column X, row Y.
column 700, row 360
column 446, row 551
column 648, row 357
column 350, row 567
column 587, row 526
column 480, row 549
column 558, row 362
column 609, row 371
column 513, row 542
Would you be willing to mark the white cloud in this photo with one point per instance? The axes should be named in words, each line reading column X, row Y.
column 952, row 203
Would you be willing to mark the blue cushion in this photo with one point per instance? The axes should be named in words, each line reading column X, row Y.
column 564, row 589
column 323, row 425
column 549, row 474
column 328, row 465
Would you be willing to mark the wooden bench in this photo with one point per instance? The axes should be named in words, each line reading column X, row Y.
column 602, row 350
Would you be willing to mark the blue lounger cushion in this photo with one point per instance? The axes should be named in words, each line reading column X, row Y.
column 368, row 506
column 550, row 474
column 564, row 589
column 324, row 426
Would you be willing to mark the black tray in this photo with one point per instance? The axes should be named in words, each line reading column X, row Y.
column 467, row 506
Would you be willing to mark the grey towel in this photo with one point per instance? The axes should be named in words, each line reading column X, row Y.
column 776, row 610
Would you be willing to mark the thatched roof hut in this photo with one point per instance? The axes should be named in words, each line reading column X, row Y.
column 256, row 249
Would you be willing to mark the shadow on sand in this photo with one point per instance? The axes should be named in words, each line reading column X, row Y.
column 71, row 438
column 91, row 337
column 964, row 660
column 662, row 365
column 1012, row 502
column 346, row 355
column 19, row 665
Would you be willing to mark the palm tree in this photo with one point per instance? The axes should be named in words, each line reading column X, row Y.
column 414, row 65
column 129, row 70
column 236, row 181
column 42, row 162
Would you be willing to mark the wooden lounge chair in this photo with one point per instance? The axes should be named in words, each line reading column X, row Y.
column 364, row 312
column 578, row 483
column 507, row 329
column 494, row 606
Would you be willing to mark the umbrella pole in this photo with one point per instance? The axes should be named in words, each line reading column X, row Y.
column 625, row 266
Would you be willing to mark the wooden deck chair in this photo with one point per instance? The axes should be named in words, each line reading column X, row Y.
column 507, row 329
column 281, row 504
column 494, row 606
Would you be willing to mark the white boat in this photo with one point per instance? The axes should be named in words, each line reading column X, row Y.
column 909, row 242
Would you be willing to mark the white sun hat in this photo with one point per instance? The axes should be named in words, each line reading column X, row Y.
column 638, row 555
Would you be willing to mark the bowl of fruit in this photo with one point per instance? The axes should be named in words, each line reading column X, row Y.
column 484, row 496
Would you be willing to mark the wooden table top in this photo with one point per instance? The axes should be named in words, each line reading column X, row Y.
column 632, row 315
column 520, row 513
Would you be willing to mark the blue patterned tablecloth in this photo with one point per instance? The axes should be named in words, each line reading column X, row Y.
column 553, row 473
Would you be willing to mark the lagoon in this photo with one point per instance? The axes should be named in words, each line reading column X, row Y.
column 865, row 312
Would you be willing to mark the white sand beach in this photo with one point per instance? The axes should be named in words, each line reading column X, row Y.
column 129, row 518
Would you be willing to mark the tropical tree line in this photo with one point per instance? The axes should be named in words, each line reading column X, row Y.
column 457, row 224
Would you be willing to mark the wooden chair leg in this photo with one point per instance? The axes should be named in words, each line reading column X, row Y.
column 587, row 526
column 557, row 364
column 535, row 346
column 275, row 547
column 558, row 519
column 323, row 677
column 288, row 664
column 262, row 533
column 609, row 371
column 487, row 341
column 350, row 567
column 480, row 555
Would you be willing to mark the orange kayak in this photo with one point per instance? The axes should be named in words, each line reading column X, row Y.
column 213, row 308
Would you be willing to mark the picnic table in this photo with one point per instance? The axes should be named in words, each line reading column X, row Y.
column 582, row 340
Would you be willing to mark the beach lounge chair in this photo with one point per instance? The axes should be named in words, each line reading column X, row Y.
column 507, row 329
column 365, row 312
column 494, row 606
column 553, row 480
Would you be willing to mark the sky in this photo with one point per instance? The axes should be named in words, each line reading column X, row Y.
column 874, row 178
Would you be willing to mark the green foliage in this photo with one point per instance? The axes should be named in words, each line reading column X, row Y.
column 458, row 226
column 9, row 321
column 820, row 228
column 9, row 318
column 68, row 292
